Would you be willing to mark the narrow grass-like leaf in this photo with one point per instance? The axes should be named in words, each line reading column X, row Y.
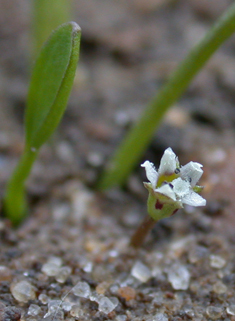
column 137, row 140
column 49, row 90
column 47, row 16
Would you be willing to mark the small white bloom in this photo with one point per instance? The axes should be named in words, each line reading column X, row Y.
column 192, row 172
column 180, row 187
column 193, row 199
column 171, row 186
column 167, row 191
column 168, row 162
column 151, row 173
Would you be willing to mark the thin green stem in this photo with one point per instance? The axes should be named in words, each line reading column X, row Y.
column 15, row 206
column 137, row 140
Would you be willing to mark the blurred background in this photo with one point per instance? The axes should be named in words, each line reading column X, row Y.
column 128, row 50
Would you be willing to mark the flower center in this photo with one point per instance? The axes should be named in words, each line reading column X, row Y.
column 166, row 178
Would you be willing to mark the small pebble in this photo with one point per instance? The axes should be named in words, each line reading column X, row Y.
column 82, row 289
column 114, row 289
column 55, row 260
column 189, row 312
column 214, row 312
column 81, row 200
column 127, row 293
column 102, row 287
column 34, row 310
column 107, row 305
column 87, row 267
column 43, row 298
column 5, row 273
column 231, row 309
column 76, row 311
column 113, row 253
column 95, row 159
column 179, row 277
column 141, row 272
column 63, row 274
column 56, row 315
column 122, row 118
column 54, row 305
column 94, row 296
column 160, row 317
column 23, row 291
column 217, row 261
column 94, row 246
column 66, row 306
column 50, row 269
column 219, row 287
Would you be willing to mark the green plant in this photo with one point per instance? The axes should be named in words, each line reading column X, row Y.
column 47, row 16
column 137, row 140
column 169, row 189
column 49, row 90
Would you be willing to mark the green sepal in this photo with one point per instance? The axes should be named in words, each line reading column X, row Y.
column 169, row 206
column 198, row 188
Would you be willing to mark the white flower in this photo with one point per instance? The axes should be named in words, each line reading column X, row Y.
column 172, row 186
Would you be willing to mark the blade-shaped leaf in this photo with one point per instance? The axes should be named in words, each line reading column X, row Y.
column 49, row 91
column 51, row 83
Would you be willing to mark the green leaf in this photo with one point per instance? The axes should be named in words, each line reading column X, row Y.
column 135, row 143
column 51, row 83
column 49, row 90
column 47, row 16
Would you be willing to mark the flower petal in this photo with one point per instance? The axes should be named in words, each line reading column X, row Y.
column 167, row 191
column 151, row 173
column 193, row 199
column 181, row 187
column 192, row 172
column 168, row 162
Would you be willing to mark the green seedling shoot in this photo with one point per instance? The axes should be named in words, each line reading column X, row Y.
column 47, row 16
column 169, row 189
column 49, row 90
column 135, row 143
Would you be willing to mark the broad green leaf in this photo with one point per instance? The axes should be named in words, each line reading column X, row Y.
column 51, row 83
column 49, row 90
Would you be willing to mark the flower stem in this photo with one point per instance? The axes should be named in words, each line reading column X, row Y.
column 142, row 231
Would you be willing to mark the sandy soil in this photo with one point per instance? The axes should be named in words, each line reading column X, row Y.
column 70, row 260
